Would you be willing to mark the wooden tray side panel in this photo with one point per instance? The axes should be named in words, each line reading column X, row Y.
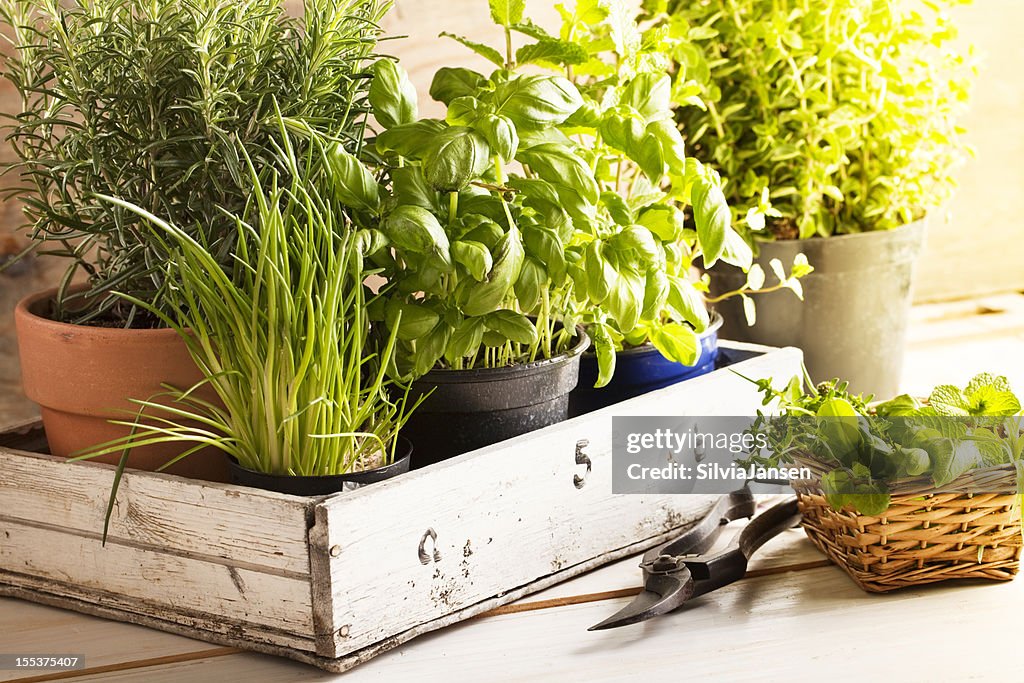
column 162, row 512
column 156, row 581
column 435, row 542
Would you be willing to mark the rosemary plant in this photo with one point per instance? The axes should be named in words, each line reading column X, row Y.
column 283, row 337
column 158, row 102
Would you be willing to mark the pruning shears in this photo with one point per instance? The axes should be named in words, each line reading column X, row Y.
column 679, row 570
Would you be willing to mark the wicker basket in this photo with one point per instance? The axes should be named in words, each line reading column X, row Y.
column 963, row 532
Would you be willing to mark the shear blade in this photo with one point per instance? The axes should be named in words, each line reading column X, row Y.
column 662, row 594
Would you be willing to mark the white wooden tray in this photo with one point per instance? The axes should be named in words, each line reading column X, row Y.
column 335, row 581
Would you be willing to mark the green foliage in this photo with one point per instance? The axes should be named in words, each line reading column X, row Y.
column 158, row 103
column 844, row 110
column 870, row 449
column 283, row 336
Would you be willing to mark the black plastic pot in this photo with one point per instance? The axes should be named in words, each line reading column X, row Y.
column 322, row 485
column 853, row 320
column 638, row 371
column 470, row 409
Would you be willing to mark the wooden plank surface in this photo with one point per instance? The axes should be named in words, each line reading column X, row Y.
column 246, row 527
column 506, row 516
column 146, row 581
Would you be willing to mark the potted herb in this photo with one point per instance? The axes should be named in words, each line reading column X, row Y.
column 657, row 214
column 904, row 492
column 183, row 93
column 837, row 122
column 636, row 214
column 284, row 341
column 476, row 257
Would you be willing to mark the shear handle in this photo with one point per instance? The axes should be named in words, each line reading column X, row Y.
column 728, row 566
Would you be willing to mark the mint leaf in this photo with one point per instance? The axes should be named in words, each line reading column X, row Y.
column 951, row 458
column 507, row 12
column 987, row 379
column 551, row 51
column 947, row 399
column 989, row 400
column 485, row 51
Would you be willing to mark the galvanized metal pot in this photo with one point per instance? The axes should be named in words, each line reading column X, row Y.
column 852, row 323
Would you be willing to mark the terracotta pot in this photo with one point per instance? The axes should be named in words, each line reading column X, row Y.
column 83, row 376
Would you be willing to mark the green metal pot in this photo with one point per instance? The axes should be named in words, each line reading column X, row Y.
column 852, row 323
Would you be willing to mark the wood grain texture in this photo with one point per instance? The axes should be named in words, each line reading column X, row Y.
column 504, row 516
column 242, row 527
column 145, row 581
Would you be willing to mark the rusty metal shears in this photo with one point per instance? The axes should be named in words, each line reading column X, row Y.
column 678, row 571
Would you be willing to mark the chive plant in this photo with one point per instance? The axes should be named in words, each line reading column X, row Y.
column 282, row 337
column 157, row 102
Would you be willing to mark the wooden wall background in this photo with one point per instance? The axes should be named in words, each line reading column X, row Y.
column 975, row 247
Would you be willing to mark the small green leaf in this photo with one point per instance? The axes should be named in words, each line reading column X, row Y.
column 410, row 140
column 711, row 215
column 514, row 326
column 415, row 230
column 650, row 94
column 430, row 348
column 529, row 286
column 392, row 95
column 466, row 339
column 552, row 52
column 482, row 298
column 561, row 167
column 474, row 257
column 485, row 51
column 506, row 12
column 452, row 82
column 676, row 342
column 457, row 156
column 416, row 320
column 537, row 101
column 501, row 135
column 604, row 347
column 353, row 183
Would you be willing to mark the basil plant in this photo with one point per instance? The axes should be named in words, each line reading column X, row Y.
column 476, row 256
column 643, row 213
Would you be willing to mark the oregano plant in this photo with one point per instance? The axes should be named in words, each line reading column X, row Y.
column 823, row 117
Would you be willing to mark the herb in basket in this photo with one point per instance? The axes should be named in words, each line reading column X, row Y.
column 864, row 450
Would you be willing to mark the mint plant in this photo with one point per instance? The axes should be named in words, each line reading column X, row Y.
column 870, row 448
column 824, row 117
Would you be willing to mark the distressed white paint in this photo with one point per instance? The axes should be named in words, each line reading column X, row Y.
column 504, row 516
column 244, row 527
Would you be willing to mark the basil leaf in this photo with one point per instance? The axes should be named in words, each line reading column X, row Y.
column 552, row 52
column 430, row 348
column 465, row 111
column 561, row 167
column 409, row 140
column 625, row 299
column 392, row 95
column 529, row 286
column 457, row 155
column 465, row 340
column 412, row 320
column 482, row 298
column 604, row 347
column 353, row 183
column 600, row 273
column 408, row 186
column 501, row 135
column 414, row 229
column 684, row 298
column 474, row 256
column 676, row 342
column 546, row 246
column 672, row 146
column 650, row 94
column 656, row 293
column 514, row 326
column 712, row 217
column 537, row 101
column 452, row 82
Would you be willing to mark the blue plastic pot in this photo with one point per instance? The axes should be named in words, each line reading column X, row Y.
column 640, row 370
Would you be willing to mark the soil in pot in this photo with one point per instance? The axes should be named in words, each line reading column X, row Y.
column 640, row 370
column 323, row 485
column 83, row 376
column 470, row 409
column 853, row 320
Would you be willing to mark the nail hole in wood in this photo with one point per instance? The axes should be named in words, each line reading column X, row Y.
column 335, row 551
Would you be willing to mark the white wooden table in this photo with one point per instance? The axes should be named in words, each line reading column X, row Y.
column 794, row 617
